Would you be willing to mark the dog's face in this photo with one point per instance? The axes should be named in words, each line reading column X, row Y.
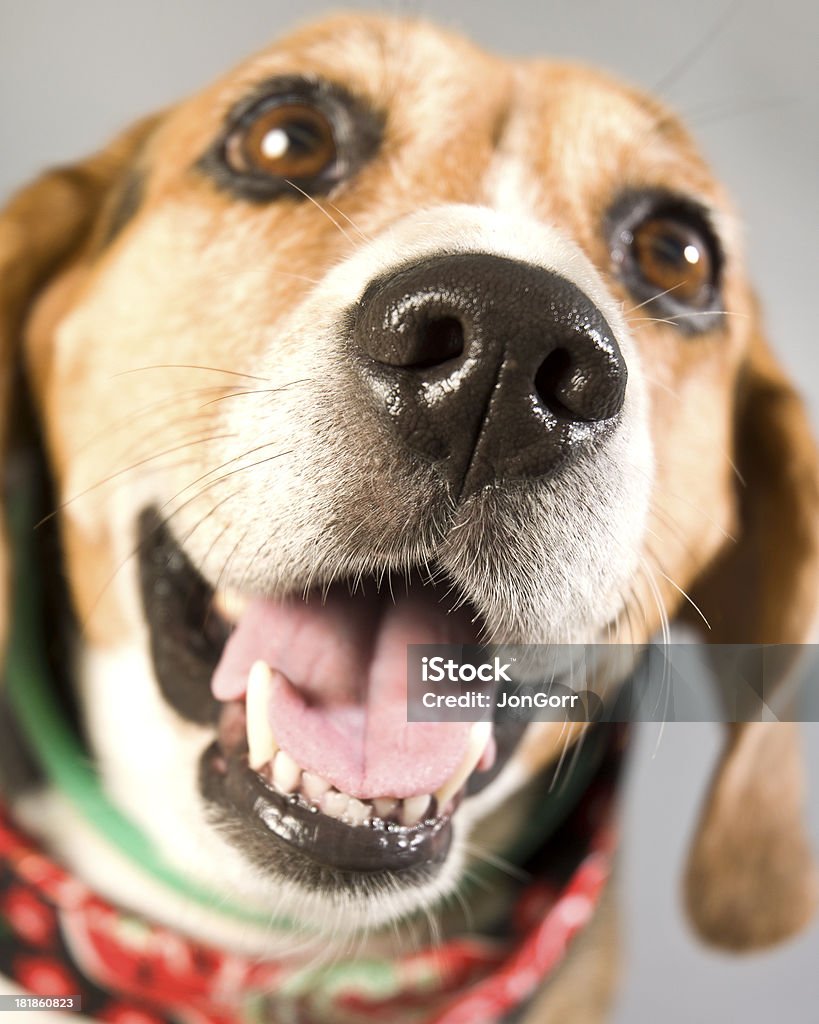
column 380, row 340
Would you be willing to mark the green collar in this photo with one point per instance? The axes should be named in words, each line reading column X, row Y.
column 56, row 746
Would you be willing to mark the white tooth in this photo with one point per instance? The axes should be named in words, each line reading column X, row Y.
column 313, row 786
column 357, row 812
column 230, row 604
column 334, row 803
column 478, row 738
column 261, row 746
column 384, row 806
column 414, row 808
column 286, row 773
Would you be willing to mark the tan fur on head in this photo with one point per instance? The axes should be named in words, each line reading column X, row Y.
column 479, row 155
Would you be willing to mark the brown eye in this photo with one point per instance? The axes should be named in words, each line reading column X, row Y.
column 292, row 138
column 673, row 257
column 291, row 141
column 664, row 248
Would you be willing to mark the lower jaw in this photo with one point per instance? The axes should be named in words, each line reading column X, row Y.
column 284, row 835
column 287, row 836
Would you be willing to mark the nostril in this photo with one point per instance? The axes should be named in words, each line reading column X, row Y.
column 487, row 368
column 439, row 339
column 551, row 374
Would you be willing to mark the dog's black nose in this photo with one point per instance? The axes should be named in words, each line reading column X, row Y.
column 492, row 368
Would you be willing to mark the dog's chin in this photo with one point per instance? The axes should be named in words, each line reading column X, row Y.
column 314, row 774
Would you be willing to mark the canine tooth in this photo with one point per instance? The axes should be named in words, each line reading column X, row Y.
column 479, row 736
column 357, row 812
column 334, row 803
column 261, row 745
column 286, row 773
column 313, row 786
column 414, row 808
column 384, row 806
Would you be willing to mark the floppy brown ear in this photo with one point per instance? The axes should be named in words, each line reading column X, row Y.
column 751, row 879
column 40, row 228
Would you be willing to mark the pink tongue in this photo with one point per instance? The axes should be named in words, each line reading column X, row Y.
column 339, row 706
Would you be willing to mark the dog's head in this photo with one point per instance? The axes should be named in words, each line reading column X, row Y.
column 382, row 340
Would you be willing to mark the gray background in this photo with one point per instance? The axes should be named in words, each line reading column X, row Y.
column 72, row 73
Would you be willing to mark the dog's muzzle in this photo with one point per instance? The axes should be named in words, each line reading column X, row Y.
column 492, row 371
column 492, row 368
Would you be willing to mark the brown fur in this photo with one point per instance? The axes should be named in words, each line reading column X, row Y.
column 751, row 878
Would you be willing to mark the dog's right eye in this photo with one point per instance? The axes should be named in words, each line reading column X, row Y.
column 293, row 137
column 292, row 141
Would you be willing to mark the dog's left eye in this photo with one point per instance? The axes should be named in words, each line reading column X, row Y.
column 293, row 141
column 667, row 254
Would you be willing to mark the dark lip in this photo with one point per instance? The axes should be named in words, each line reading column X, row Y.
column 279, row 835
column 187, row 636
column 325, row 846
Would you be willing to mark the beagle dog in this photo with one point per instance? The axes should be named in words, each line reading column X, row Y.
column 379, row 340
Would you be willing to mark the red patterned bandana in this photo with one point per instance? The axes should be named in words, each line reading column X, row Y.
column 57, row 937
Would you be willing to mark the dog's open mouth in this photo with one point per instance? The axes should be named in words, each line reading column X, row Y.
column 308, row 697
